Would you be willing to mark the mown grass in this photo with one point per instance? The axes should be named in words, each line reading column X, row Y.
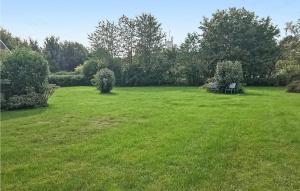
column 154, row 138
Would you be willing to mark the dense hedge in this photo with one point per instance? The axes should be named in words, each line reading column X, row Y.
column 29, row 100
column 69, row 80
column 24, row 82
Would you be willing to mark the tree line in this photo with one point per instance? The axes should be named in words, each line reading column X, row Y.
column 135, row 49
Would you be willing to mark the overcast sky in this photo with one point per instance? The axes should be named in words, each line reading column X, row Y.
column 74, row 19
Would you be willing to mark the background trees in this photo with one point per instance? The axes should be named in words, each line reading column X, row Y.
column 13, row 42
column 288, row 66
column 138, row 43
column 72, row 55
column 63, row 56
column 106, row 36
column 237, row 34
column 135, row 50
column 52, row 52
column 195, row 69
column 150, row 41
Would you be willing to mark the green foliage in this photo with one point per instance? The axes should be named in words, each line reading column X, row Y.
column 228, row 72
column 104, row 80
column 288, row 66
column 195, row 69
column 29, row 100
column 26, row 74
column 78, row 69
column 106, row 36
column 69, row 80
column 287, row 71
column 294, row 87
column 52, row 52
column 90, row 68
column 26, row 71
column 102, row 59
column 137, row 44
column 72, row 55
column 64, row 56
column 237, row 34
column 13, row 43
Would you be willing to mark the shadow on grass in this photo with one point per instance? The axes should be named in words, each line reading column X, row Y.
column 20, row 113
column 109, row 94
column 247, row 93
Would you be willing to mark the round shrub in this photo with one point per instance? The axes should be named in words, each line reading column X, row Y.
column 25, row 73
column 294, row 87
column 228, row 72
column 104, row 80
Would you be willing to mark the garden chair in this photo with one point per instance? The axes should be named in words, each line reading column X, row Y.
column 231, row 88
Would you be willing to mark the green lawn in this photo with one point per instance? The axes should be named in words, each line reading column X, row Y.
column 154, row 138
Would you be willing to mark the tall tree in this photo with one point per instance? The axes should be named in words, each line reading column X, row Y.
column 127, row 36
column 52, row 52
column 34, row 45
column 239, row 35
column 150, row 42
column 288, row 66
column 72, row 54
column 196, row 70
column 293, row 28
column 13, row 42
column 106, row 36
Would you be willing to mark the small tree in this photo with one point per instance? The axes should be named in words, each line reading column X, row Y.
column 228, row 72
column 105, row 80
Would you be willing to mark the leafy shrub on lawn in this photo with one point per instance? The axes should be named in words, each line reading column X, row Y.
column 294, row 87
column 227, row 72
column 104, row 80
column 69, row 80
column 25, row 74
column 30, row 100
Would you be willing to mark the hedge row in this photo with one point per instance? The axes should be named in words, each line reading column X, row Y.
column 69, row 80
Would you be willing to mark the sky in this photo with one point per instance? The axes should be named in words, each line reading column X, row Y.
column 75, row 19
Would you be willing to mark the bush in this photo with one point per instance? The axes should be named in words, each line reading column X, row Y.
column 78, row 69
column 287, row 71
column 25, row 70
column 29, row 100
column 226, row 73
column 69, row 80
column 25, row 74
column 104, row 80
column 294, row 87
column 265, row 81
column 90, row 68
